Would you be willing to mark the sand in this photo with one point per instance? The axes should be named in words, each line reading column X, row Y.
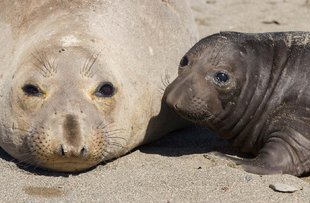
column 179, row 167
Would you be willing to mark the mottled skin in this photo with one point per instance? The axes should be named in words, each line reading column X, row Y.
column 81, row 80
column 254, row 90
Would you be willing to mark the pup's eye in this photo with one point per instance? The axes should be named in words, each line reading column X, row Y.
column 32, row 90
column 184, row 62
column 221, row 77
column 105, row 89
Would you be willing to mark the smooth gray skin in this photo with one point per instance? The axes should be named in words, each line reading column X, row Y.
column 67, row 49
column 264, row 106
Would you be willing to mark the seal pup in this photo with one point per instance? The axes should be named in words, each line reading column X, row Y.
column 81, row 79
column 254, row 90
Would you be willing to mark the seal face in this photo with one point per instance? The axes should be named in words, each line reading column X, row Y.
column 74, row 86
column 252, row 89
column 64, row 123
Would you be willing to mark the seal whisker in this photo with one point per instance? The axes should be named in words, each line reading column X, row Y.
column 26, row 160
column 88, row 65
column 40, row 65
column 91, row 75
column 115, row 144
column 13, row 127
column 43, row 73
column 111, row 133
column 98, row 126
column 116, row 130
column 83, row 69
column 49, row 65
column 92, row 62
column 23, row 161
column 114, row 134
column 104, row 125
column 165, row 80
column 54, row 66
column 23, row 130
column 161, row 90
column 106, row 151
column 45, row 66
column 33, row 128
column 113, row 137
column 116, row 137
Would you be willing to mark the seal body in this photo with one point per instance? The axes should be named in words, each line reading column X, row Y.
column 254, row 90
column 81, row 80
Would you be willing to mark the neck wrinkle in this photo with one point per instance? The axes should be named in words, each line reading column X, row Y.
column 234, row 119
column 252, row 134
column 243, row 122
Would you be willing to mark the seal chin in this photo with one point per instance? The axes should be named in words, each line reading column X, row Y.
column 197, row 117
column 72, row 165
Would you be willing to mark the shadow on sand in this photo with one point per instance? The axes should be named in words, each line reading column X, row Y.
column 35, row 170
column 191, row 140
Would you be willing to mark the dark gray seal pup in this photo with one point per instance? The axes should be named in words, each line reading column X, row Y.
column 252, row 89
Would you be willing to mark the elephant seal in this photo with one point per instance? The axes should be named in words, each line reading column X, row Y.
column 254, row 90
column 81, row 80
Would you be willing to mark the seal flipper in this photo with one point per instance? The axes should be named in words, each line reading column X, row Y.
column 282, row 153
column 253, row 165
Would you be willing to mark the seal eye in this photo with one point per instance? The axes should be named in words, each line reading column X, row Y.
column 221, row 77
column 105, row 89
column 32, row 90
column 184, row 61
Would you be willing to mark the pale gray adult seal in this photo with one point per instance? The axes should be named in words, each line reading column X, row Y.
column 81, row 79
column 254, row 90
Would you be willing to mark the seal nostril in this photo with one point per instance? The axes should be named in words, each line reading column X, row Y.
column 84, row 152
column 62, row 150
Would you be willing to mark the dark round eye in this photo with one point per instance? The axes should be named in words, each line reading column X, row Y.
column 32, row 90
column 105, row 89
column 221, row 77
column 184, row 61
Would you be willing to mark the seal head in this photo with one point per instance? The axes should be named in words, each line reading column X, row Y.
column 64, row 123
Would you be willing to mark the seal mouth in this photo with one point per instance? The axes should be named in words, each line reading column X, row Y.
column 195, row 117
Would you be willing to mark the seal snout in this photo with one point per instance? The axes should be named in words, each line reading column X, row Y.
column 189, row 96
column 72, row 146
column 172, row 100
column 179, row 93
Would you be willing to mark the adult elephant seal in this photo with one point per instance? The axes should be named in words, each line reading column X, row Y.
column 81, row 79
column 254, row 90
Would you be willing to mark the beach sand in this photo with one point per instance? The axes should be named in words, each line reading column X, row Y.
column 179, row 167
